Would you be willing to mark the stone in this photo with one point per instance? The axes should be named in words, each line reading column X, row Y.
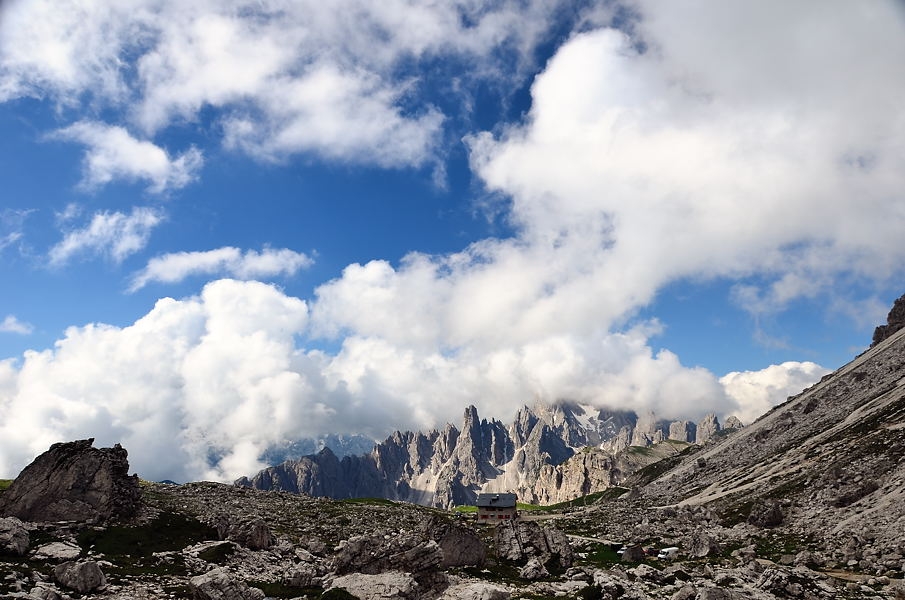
column 701, row 545
column 407, row 552
column 533, row 569
column 459, row 545
column 43, row 592
column 686, row 592
column 633, row 553
column 766, row 514
column 475, row 591
column 301, row 575
column 521, row 540
column 647, row 573
column 14, row 537
column 82, row 576
column 73, row 481
column 57, row 551
column 218, row 584
column 380, row 586
column 714, row 593
column 253, row 534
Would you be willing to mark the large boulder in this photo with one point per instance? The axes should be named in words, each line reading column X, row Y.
column 253, row 534
column 459, row 545
column 521, row 541
column 82, row 576
column 218, row 584
column 407, row 552
column 700, row 545
column 13, row 536
column 73, row 481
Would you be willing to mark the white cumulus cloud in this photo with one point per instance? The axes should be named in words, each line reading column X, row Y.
column 11, row 324
column 709, row 144
column 113, row 153
column 174, row 267
column 115, row 235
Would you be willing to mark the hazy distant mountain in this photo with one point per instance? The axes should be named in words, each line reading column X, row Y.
column 341, row 445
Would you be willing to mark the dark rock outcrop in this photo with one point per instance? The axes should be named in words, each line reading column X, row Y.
column 895, row 321
column 73, row 481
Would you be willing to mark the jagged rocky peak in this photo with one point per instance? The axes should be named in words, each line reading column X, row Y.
column 73, row 481
column 895, row 321
column 707, row 428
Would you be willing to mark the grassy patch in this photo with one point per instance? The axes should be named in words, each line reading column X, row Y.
column 603, row 556
column 4, row 484
column 131, row 549
column 774, row 544
column 465, row 508
column 735, row 513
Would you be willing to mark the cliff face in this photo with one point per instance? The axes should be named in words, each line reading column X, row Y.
column 548, row 454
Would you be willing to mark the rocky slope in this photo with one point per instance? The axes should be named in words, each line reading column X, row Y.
column 547, row 455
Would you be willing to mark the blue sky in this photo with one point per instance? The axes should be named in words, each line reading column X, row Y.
column 225, row 225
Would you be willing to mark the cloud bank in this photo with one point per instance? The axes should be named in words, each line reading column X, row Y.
column 200, row 387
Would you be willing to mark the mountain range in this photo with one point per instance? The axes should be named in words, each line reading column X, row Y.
column 546, row 455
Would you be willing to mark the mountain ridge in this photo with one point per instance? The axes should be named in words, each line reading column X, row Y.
column 548, row 454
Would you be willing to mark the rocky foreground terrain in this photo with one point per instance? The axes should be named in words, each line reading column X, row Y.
column 807, row 502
